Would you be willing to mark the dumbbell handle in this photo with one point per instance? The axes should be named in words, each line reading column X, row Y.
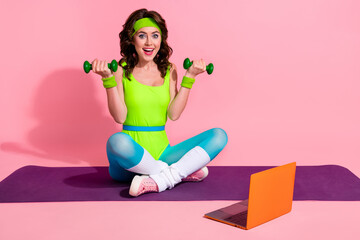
column 209, row 67
column 113, row 66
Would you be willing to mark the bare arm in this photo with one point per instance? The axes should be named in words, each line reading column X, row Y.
column 115, row 95
column 179, row 98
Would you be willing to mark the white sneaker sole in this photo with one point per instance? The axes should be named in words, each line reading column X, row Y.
column 206, row 172
column 135, row 184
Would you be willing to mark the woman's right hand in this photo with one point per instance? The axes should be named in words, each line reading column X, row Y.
column 101, row 68
column 196, row 68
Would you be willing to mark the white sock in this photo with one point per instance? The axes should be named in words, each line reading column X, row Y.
column 192, row 161
column 166, row 179
column 148, row 165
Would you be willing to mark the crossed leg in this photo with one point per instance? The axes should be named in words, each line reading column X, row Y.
column 126, row 158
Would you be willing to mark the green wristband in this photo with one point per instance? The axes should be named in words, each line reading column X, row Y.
column 187, row 82
column 109, row 82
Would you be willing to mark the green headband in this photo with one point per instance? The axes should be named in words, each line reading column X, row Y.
column 145, row 22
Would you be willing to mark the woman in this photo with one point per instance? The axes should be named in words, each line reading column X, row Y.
column 141, row 95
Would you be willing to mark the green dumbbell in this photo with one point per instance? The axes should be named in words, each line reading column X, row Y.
column 209, row 67
column 113, row 66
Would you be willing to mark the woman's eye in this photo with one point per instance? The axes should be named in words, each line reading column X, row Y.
column 142, row 36
column 156, row 36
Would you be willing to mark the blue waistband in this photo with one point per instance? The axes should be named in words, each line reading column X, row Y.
column 143, row 129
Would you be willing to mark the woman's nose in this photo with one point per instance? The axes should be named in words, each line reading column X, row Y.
column 148, row 41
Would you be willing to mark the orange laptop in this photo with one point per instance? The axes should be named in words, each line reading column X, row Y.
column 270, row 196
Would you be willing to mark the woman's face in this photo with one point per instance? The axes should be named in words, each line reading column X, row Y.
column 147, row 42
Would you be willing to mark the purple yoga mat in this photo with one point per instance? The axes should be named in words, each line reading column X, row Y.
column 57, row 184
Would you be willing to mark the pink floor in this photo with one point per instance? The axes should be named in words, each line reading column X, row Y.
column 163, row 220
column 170, row 220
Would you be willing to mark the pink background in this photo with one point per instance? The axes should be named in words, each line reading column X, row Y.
column 285, row 88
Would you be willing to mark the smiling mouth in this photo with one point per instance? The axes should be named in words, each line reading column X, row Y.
column 148, row 51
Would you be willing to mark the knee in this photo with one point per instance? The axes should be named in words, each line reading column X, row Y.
column 217, row 140
column 220, row 134
column 119, row 143
column 220, row 137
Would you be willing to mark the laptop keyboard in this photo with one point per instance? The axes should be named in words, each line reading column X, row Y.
column 239, row 218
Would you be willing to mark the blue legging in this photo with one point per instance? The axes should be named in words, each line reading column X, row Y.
column 124, row 153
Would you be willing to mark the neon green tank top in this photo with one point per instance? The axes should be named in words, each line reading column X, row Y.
column 147, row 106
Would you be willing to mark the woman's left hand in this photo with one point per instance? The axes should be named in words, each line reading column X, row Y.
column 198, row 66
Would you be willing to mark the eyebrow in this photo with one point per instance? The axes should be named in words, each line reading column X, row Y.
column 151, row 33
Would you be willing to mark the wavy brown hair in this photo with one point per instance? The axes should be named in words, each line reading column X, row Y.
column 128, row 52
